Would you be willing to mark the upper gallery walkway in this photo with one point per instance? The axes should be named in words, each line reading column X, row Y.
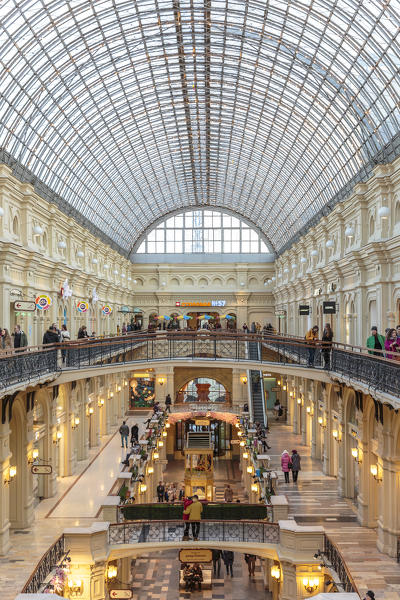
column 315, row 500
column 369, row 372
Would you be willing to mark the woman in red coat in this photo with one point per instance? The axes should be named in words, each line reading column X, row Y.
column 285, row 464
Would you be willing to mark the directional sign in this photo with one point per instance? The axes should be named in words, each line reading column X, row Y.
column 121, row 594
column 24, row 306
column 42, row 470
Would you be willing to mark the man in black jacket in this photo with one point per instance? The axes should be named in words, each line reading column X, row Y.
column 160, row 491
column 51, row 336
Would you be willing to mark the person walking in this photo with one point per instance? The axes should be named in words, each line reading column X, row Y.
column 296, row 458
column 124, row 431
column 327, row 337
column 160, row 491
column 228, row 558
column 228, row 493
column 312, row 338
column 51, row 336
column 286, row 464
column 20, row 339
column 376, row 341
column 194, row 511
column 6, row 341
column 370, row 595
column 277, row 409
column 216, row 558
column 168, row 403
column 251, row 563
column 134, row 434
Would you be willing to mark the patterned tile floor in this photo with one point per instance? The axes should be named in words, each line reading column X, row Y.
column 165, row 585
column 315, row 500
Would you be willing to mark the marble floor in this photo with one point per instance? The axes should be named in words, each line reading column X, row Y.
column 315, row 500
column 166, row 585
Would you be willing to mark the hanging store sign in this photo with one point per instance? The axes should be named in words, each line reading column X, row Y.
column 43, row 302
column 198, row 303
column 106, row 310
column 195, row 555
column 41, row 469
column 329, row 307
column 24, row 306
column 304, row 309
column 121, row 593
column 204, row 422
column 82, row 306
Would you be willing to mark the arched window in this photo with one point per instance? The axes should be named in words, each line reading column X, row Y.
column 397, row 213
column 15, row 226
column 202, row 231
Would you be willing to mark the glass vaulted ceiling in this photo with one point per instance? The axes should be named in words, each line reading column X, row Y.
column 129, row 110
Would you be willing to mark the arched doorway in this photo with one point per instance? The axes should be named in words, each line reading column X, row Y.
column 203, row 389
column 21, row 498
column 351, row 469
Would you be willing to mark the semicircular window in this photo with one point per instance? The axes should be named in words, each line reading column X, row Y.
column 203, row 231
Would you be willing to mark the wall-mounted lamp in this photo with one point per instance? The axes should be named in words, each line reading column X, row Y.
column 167, row 425
column 335, row 435
column 150, row 470
column 278, row 382
column 111, row 572
column 75, row 587
column 384, row 212
column 119, row 388
column 254, row 487
column 111, row 394
column 100, row 403
column 160, row 443
column 250, row 469
column 143, row 488
column 12, row 471
column 310, row 584
column 310, row 411
column 125, row 383
column 242, row 443
column 356, row 455
column 90, row 411
column 276, row 572
column 243, row 379
column 245, row 455
column 291, row 395
column 75, row 422
column 156, row 455
column 321, row 423
column 161, row 380
column 164, row 434
column 299, row 401
column 34, row 455
column 58, row 437
column 374, row 473
column 237, row 425
column 284, row 388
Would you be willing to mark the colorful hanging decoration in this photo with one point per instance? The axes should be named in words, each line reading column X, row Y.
column 107, row 310
column 43, row 302
column 82, row 306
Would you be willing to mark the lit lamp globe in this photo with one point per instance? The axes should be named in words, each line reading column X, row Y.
column 314, row 253
column 349, row 232
column 384, row 212
column 303, row 260
column 329, row 244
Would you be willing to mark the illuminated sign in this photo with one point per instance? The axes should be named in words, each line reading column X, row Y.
column 204, row 422
column 195, row 555
column 198, row 303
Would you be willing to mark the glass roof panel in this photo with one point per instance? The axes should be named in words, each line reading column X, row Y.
column 130, row 111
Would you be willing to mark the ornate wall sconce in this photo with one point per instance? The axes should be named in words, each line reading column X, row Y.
column 119, row 388
column 250, row 469
column 150, row 470
column 111, row 572
column 375, row 473
column 167, row 425
column 90, row 411
column 356, row 455
column 242, row 443
column 75, row 422
column 245, row 455
column 160, row 443
column 336, row 435
column 12, row 471
column 33, row 456
column 321, row 423
column 58, row 437
column 243, row 379
column 143, row 488
column 276, row 573
column 156, row 455
column 310, row 584
column 284, row 388
column 161, row 380
column 254, row 487
column 164, row 434
column 100, row 403
column 75, row 587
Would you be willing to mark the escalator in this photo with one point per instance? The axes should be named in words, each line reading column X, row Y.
column 256, row 386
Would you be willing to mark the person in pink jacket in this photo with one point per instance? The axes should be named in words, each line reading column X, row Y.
column 285, row 464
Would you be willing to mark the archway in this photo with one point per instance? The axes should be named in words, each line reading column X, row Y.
column 203, row 389
column 21, row 499
column 351, row 474
column 43, row 485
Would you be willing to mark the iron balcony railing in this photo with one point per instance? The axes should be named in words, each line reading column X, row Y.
column 372, row 368
column 137, row 532
column 48, row 563
column 337, row 563
column 212, row 511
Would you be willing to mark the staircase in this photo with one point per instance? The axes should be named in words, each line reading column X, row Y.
column 199, row 439
column 256, row 386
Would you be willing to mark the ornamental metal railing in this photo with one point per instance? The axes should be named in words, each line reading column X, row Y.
column 371, row 367
column 140, row 532
column 49, row 561
column 338, row 565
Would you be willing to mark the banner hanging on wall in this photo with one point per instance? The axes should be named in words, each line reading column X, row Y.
column 43, row 302
column 82, row 306
column 107, row 310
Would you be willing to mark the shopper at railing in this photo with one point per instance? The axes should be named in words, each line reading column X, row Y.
column 327, row 337
column 82, row 333
column 376, row 341
column 6, row 340
column 392, row 345
column 51, row 336
column 20, row 338
column 312, row 338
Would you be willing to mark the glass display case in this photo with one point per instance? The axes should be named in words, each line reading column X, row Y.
column 199, row 473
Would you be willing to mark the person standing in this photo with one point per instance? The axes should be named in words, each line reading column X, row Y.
column 216, row 558
column 51, row 336
column 228, row 493
column 285, row 464
column 124, row 431
column 369, row 595
column 376, row 341
column 20, row 339
column 296, row 458
column 6, row 341
column 228, row 558
column 312, row 338
column 392, row 345
column 160, row 491
column 168, row 403
column 327, row 337
column 134, row 434
column 277, row 408
column 251, row 563
column 194, row 511
column 82, row 333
